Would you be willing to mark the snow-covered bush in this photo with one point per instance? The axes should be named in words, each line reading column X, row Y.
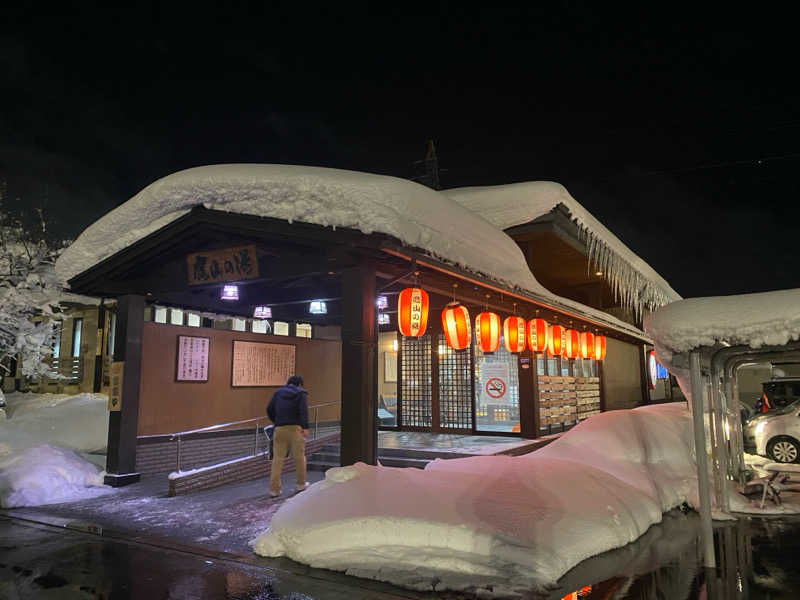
column 29, row 295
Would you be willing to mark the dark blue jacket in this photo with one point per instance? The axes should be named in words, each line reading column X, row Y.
column 289, row 406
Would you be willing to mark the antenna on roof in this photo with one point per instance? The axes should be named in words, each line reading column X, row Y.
column 427, row 170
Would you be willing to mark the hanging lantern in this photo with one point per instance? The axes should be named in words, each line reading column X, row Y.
column 487, row 331
column 456, row 326
column 537, row 335
column 514, row 334
column 572, row 342
column 587, row 345
column 555, row 342
column 599, row 347
column 412, row 312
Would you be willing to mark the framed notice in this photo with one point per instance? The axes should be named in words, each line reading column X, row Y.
column 192, row 358
column 390, row 367
column 261, row 364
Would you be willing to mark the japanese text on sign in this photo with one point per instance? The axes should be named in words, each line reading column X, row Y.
column 260, row 364
column 229, row 264
column 115, row 395
column 192, row 358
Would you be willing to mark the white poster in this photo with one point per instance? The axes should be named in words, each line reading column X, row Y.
column 494, row 383
column 261, row 364
column 192, row 358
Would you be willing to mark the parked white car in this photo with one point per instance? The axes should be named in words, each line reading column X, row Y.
column 776, row 433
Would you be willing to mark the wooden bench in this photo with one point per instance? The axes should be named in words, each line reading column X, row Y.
column 778, row 480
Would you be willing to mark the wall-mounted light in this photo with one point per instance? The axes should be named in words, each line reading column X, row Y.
column 382, row 303
column 394, row 345
column 262, row 312
column 383, row 319
column 318, row 307
column 230, row 292
column 598, row 273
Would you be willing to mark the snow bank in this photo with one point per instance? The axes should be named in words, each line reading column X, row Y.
column 416, row 215
column 768, row 318
column 631, row 278
column 495, row 525
column 78, row 422
column 46, row 474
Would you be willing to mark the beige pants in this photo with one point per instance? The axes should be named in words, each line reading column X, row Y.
column 287, row 438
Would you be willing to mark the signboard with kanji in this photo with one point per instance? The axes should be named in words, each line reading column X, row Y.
column 193, row 355
column 115, row 394
column 262, row 364
column 227, row 264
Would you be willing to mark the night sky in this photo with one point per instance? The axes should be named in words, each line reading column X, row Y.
column 678, row 130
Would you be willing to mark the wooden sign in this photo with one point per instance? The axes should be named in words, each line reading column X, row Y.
column 192, row 358
column 115, row 393
column 227, row 264
column 261, row 364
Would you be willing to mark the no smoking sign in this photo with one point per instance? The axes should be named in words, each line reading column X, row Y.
column 495, row 387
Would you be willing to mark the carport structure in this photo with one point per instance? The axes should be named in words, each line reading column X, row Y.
column 311, row 234
column 704, row 342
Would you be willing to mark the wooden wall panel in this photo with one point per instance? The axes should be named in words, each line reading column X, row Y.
column 167, row 406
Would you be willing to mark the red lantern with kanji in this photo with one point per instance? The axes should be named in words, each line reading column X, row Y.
column 487, row 331
column 412, row 312
column 537, row 335
column 555, row 342
column 572, row 341
column 456, row 326
column 599, row 347
column 587, row 344
column 514, row 334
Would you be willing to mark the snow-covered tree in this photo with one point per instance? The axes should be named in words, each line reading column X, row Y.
column 29, row 294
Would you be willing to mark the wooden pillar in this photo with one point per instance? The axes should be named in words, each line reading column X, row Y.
column 123, row 424
column 527, row 397
column 359, row 366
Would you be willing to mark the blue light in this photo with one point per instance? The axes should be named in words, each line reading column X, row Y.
column 661, row 371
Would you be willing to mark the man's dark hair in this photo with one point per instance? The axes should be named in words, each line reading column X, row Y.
column 295, row 380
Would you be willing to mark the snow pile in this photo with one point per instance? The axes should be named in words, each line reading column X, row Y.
column 416, row 215
column 495, row 525
column 78, row 422
column 634, row 281
column 768, row 318
column 46, row 474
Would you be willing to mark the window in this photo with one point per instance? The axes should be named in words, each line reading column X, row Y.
column 280, row 328
column 176, row 316
column 260, row 326
column 496, row 390
column 56, row 339
column 112, row 334
column 303, row 330
column 77, row 327
column 160, row 315
column 239, row 325
column 193, row 320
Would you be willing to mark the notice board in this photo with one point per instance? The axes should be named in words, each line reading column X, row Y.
column 261, row 364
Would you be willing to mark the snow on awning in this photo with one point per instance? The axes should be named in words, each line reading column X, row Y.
column 416, row 215
column 755, row 320
column 635, row 283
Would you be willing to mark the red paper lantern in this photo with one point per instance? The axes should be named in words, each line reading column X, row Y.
column 514, row 334
column 572, row 342
column 587, row 344
column 412, row 312
column 555, row 342
column 487, row 331
column 537, row 335
column 456, row 326
column 599, row 347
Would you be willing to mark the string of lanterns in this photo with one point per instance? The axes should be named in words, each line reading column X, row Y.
column 518, row 334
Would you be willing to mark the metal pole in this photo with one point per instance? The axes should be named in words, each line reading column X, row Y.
column 720, row 449
column 706, row 530
column 179, row 454
column 316, row 422
column 255, row 441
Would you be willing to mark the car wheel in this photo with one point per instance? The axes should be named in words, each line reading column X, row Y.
column 784, row 450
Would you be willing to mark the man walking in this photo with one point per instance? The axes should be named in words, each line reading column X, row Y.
column 288, row 410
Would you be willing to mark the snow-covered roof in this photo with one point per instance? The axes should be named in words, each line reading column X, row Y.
column 755, row 320
column 634, row 281
column 416, row 215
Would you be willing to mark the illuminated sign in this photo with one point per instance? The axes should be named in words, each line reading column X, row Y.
column 652, row 369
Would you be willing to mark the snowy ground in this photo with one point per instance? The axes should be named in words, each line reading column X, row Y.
column 495, row 526
column 52, row 448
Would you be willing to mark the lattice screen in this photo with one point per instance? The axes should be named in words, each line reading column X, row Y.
column 415, row 381
column 455, row 387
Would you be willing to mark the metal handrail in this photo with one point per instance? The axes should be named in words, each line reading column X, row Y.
column 178, row 435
